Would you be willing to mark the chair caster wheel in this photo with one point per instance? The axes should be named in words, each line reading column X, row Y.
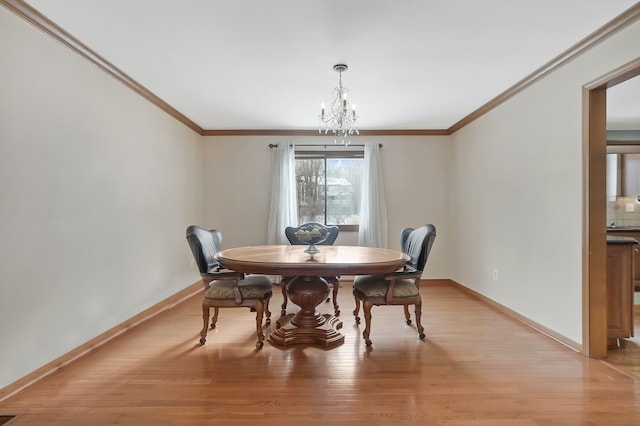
column 268, row 321
column 283, row 313
column 259, row 345
column 337, row 313
column 328, row 300
column 202, row 340
column 408, row 322
column 357, row 320
column 213, row 326
column 421, row 336
column 368, row 342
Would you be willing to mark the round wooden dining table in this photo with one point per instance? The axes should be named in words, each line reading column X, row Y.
column 308, row 289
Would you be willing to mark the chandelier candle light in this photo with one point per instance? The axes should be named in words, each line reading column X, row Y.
column 341, row 119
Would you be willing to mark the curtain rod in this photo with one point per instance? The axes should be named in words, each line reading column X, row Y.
column 274, row 145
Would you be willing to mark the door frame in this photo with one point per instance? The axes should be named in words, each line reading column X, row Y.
column 594, row 235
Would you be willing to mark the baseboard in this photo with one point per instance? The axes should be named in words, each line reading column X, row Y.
column 98, row 341
column 433, row 282
column 564, row 340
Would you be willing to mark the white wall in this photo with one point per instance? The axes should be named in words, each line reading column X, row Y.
column 97, row 187
column 416, row 175
column 518, row 186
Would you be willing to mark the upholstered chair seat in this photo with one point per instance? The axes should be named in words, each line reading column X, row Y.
column 251, row 287
column 377, row 286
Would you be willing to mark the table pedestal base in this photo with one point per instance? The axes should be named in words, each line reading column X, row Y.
column 325, row 335
column 307, row 326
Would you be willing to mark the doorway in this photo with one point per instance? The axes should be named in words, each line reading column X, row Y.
column 594, row 256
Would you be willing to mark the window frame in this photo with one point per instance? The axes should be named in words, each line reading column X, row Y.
column 305, row 154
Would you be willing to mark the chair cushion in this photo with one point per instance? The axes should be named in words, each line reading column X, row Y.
column 377, row 286
column 252, row 287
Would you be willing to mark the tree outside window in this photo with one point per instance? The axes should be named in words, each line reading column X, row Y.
column 328, row 187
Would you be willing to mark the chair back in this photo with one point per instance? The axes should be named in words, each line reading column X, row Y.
column 417, row 243
column 204, row 244
column 332, row 234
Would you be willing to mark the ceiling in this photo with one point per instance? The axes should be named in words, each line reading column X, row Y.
column 413, row 64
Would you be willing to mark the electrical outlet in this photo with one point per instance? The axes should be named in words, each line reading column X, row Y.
column 495, row 275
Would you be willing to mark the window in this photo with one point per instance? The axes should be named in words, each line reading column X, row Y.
column 328, row 187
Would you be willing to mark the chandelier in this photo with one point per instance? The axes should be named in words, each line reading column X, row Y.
column 341, row 117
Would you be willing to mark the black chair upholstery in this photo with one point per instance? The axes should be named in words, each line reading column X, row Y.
column 334, row 281
column 400, row 287
column 225, row 288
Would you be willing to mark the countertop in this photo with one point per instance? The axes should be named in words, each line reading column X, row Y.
column 621, row 240
column 623, row 228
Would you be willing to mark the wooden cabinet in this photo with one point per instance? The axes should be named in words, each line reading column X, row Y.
column 623, row 175
column 630, row 174
column 636, row 258
column 614, row 178
column 620, row 269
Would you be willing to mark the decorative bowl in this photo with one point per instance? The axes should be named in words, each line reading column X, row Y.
column 311, row 235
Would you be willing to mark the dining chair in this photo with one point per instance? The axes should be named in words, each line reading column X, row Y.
column 225, row 288
column 293, row 235
column 401, row 287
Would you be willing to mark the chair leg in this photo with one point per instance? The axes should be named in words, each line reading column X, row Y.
column 214, row 320
column 407, row 315
column 356, row 311
column 205, row 320
column 283, row 307
column 267, row 312
column 259, row 306
column 366, row 305
column 336, row 289
column 419, row 320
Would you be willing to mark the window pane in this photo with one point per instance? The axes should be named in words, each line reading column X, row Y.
column 337, row 202
column 310, row 187
column 343, row 191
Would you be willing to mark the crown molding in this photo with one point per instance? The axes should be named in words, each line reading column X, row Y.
column 621, row 21
column 283, row 132
column 35, row 18
column 31, row 15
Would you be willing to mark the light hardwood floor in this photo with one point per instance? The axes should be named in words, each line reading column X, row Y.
column 476, row 367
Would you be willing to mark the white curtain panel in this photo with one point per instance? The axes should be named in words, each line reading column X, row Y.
column 283, row 210
column 373, row 205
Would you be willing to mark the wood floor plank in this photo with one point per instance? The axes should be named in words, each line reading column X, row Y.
column 475, row 367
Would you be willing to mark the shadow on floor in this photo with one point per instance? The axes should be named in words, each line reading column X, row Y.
column 5, row 419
